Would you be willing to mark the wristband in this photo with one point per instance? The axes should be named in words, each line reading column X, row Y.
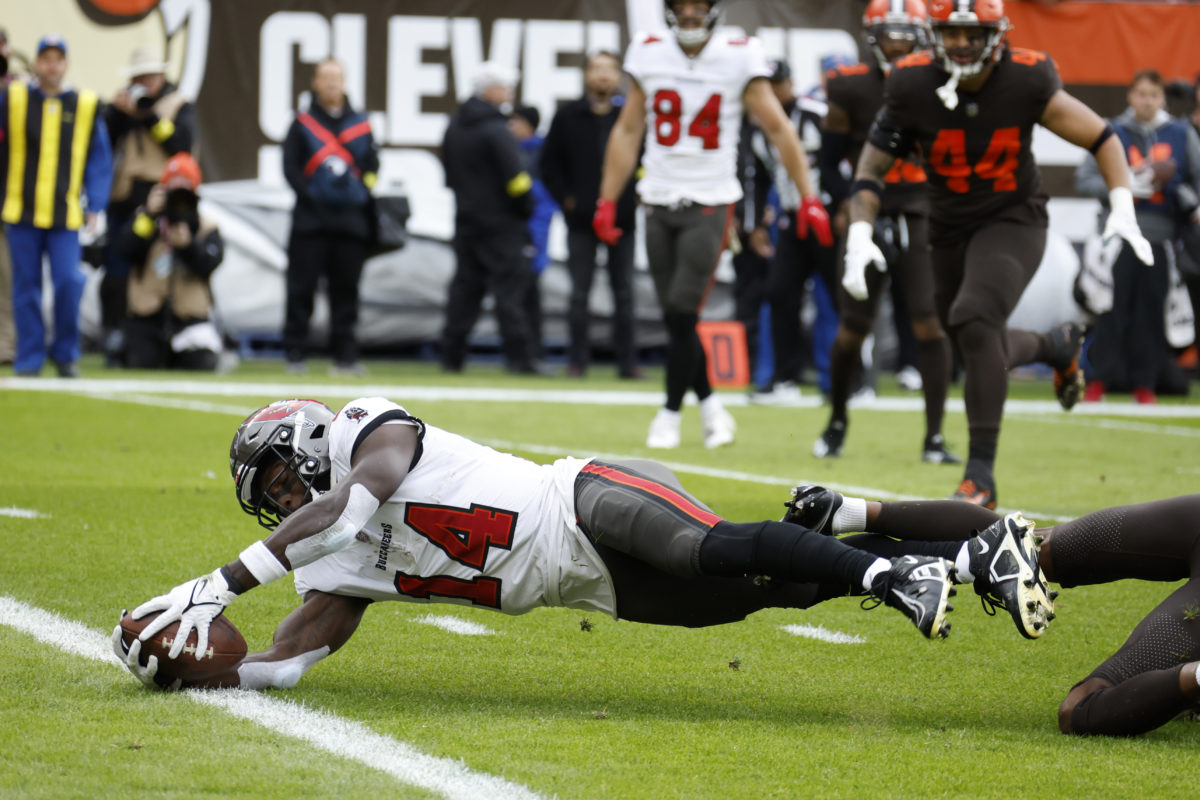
column 262, row 563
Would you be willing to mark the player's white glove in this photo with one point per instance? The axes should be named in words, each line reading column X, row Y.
column 860, row 251
column 129, row 658
column 1123, row 222
column 195, row 604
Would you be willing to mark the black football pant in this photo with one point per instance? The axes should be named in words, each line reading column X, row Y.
column 749, row 294
column 339, row 261
column 489, row 264
column 581, row 264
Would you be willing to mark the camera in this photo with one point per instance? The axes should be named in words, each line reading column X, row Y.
column 140, row 96
column 182, row 206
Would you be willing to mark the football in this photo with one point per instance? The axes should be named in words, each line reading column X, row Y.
column 1162, row 172
column 226, row 648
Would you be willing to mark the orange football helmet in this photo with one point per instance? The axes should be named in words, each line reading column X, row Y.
column 894, row 28
column 986, row 20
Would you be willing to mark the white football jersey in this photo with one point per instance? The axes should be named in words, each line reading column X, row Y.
column 693, row 115
column 468, row 525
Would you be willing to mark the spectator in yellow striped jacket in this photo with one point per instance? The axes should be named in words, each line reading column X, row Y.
column 57, row 169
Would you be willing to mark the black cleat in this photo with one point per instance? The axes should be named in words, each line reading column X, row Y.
column 918, row 586
column 830, row 443
column 1004, row 562
column 1066, row 342
column 935, row 452
column 813, row 507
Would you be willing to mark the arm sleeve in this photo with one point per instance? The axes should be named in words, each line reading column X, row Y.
column 98, row 173
column 370, row 160
column 888, row 136
column 204, row 254
column 293, row 159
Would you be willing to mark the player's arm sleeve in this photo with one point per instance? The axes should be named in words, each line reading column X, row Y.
column 889, row 135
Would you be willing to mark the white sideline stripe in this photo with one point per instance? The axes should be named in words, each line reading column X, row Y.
column 1117, row 425
column 455, row 625
column 325, row 731
column 819, row 632
column 406, row 392
column 22, row 513
column 356, row 742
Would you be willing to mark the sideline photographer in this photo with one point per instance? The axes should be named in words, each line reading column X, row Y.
column 170, row 304
column 149, row 122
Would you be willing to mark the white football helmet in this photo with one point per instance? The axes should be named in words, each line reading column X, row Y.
column 292, row 432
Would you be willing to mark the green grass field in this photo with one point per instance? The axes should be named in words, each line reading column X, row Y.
column 133, row 489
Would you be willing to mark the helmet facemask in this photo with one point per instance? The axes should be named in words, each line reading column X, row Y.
column 295, row 437
column 988, row 52
column 691, row 37
column 906, row 32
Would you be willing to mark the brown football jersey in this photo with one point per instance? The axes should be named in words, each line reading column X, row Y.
column 857, row 89
column 978, row 156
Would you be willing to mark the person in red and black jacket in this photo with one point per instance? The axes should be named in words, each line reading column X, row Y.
column 331, row 161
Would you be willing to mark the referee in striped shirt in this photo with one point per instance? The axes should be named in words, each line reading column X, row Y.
column 57, row 171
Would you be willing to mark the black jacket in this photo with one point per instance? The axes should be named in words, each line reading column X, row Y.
column 309, row 216
column 573, row 159
column 486, row 169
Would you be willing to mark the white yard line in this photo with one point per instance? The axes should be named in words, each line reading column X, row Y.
column 322, row 730
column 405, row 392
column 822, row 634
column 22, row 513
column 455, row 625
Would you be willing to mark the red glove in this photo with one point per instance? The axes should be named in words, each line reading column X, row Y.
column 812, row 215
column 604, row 222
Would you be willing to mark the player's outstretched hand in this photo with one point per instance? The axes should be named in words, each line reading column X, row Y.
column 813, row 216
column 195, row 604
column 1122, row 221
column 604, row 222
column 860, row 251
column 131, row 660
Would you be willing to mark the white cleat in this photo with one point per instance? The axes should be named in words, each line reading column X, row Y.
column 664, row 430
column 719, row 425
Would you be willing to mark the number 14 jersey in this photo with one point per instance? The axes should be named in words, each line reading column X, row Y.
column 693, row 115
column 467, row 525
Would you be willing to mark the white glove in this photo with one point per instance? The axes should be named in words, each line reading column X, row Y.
column 129, row 658
column 195, row 604
column 860, row 251
column 1123, row 222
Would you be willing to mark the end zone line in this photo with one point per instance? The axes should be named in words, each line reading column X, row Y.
column 325, row 731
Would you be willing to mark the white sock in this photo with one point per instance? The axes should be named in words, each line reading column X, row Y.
column 962, row 564
column 851, row 517
column 880, row 565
